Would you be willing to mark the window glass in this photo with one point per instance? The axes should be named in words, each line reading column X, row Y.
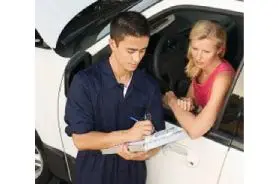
column 234, row 111
column 89, row 26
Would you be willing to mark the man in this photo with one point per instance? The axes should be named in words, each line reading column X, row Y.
column 102, row 101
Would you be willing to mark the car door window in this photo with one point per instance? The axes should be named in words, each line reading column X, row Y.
column 171, row 28
column 232, row 121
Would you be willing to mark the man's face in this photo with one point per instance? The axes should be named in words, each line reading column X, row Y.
column 130, row 51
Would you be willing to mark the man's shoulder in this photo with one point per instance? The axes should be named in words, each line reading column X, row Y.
column 148, row 80
column 90, row 75
column 92, row 71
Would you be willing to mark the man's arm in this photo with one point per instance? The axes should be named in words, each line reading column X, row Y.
column 98, row 140
column 81, row 124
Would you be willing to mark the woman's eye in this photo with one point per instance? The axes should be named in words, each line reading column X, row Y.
column 205, row 51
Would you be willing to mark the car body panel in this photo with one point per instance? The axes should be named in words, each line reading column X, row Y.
column 171, row 167
column 50, row 102
column 50, row 23
column 49, row 68
column 233, row 170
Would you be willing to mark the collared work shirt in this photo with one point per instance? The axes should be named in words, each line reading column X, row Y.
column 96, row 103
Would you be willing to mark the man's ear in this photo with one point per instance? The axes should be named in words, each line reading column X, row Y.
column 112, row 44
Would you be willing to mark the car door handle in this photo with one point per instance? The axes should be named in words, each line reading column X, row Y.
column 191, row 158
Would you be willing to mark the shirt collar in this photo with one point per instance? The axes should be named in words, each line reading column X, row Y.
column 110, row 81
column 108, row 78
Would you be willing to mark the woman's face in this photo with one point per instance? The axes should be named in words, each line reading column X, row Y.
column 204, row 52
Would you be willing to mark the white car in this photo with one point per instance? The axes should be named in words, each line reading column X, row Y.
column 71, row 35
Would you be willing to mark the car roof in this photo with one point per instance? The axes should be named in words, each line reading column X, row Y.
column 52, row 16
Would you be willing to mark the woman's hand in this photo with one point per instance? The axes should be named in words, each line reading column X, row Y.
column 186, row 104
column 168, row 98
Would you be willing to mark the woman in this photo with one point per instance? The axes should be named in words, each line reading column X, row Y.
column 211, row 78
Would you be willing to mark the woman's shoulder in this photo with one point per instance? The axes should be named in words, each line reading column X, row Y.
column 225, row 66
column 224, row 71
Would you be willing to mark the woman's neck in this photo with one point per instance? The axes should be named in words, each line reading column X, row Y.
column 209, row 69
column 205, row 73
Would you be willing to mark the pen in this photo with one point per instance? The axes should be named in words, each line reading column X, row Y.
column 134, row 119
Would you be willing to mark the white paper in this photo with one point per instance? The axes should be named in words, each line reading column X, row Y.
column 160, row 138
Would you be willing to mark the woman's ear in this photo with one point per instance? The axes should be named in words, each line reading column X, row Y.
column 221, row 51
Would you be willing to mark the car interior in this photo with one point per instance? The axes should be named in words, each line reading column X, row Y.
column 165, row 58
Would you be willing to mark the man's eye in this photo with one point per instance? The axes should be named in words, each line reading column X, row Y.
column 205, row 51
column 130, row 52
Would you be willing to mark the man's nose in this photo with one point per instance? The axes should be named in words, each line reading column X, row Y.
column 136, row 57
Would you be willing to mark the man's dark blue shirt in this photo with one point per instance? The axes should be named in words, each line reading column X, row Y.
column 96, row 103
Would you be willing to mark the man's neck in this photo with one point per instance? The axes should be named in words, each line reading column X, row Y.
column 121, row 75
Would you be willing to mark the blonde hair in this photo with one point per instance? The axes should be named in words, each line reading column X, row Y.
column 203, row 29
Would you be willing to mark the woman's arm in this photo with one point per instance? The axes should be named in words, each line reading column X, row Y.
column 188, row 103
column 190, row 93
column 197, row 126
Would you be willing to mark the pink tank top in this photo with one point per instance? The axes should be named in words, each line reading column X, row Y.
column 202, row 90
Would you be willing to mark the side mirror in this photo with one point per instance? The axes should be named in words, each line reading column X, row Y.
column 39, row 41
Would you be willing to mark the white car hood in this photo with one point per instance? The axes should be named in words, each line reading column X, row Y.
column 53, row 15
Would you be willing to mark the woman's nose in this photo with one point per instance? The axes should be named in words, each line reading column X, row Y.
column 199, row 55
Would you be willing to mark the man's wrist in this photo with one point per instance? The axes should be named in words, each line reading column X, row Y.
column 125, row 135
column 119, row 137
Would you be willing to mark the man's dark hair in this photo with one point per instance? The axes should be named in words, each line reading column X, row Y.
column 129, row 23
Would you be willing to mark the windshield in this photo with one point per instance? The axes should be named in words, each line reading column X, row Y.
column 90, row 25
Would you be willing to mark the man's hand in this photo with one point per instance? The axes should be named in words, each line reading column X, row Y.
column 138, row 156
column 139, row 130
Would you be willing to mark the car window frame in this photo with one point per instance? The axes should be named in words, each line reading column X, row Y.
column 68, row 50
column 230, row 92
column 216, row 133
column 213, row 134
